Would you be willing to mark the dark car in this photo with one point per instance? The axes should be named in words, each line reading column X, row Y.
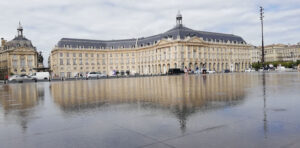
column 226, row 71
column 174, row 71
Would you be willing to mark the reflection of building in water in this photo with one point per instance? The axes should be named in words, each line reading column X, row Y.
column 18, row 100
column 19, row 96
column 192, row 91
column 179, row 94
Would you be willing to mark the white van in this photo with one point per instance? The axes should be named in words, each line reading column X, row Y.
column 41, row 76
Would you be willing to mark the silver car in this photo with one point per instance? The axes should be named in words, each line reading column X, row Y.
column 94, row 75
column 19, row 78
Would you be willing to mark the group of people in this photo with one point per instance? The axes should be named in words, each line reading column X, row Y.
column 188, row 70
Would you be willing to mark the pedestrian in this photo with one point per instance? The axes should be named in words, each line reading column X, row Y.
column 6, row 79
column 185, row 70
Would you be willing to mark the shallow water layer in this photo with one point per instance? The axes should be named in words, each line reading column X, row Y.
column 219, row 110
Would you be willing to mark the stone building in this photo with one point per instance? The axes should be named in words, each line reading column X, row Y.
column 178, row 47
column 255, row 54
column 17, row 56
column 281, row 52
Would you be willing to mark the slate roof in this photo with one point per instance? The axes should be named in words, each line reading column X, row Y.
column 18, row 41
column 178, row 31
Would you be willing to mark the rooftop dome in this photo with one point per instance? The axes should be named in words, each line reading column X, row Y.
column 19, row 40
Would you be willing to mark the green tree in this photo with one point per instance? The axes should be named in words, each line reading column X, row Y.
column 256, row 65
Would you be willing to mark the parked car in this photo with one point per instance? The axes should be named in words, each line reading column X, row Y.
column 41, row 76
column 211, row 71
column 94, row 75
column 19, row 78
column 249, row 70
column 226, row 71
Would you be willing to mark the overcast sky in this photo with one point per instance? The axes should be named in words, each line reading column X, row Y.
column 46, row 22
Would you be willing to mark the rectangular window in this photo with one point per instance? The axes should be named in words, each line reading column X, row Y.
column 67, row 54
column 80, row 61
column 86, row 55
column 15, row 63
column 22, row 62
column 74, row 54
column 74, row 61
column 68, row 61
column 15, row 57
column 61, row 54
column 29, row 62
column 80, row 54
column 30, row 57
column 62, row 74
column 61, row 61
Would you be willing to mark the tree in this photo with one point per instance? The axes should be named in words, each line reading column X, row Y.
column 256, row 66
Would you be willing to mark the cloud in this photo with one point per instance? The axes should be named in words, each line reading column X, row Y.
column 46, row 22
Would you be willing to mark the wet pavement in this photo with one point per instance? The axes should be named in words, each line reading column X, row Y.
column 218, row 110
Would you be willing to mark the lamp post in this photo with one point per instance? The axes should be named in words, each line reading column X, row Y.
column 262, row 35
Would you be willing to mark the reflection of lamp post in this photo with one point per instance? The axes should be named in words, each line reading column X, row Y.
column 265, row 121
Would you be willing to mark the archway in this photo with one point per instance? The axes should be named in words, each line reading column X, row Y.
column 196, row 66
column 214, row 67
column 159, row 68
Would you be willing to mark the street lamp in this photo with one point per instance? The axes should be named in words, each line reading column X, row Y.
column 262, row 35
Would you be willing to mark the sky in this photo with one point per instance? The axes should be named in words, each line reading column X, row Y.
column 45, row 22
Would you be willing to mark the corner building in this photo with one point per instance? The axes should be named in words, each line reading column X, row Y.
column 17, row 56
column 178, row 47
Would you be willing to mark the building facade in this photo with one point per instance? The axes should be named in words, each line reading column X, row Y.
column 280, row 52
column 17, row 56
column 178, row 47
column 255, row 54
